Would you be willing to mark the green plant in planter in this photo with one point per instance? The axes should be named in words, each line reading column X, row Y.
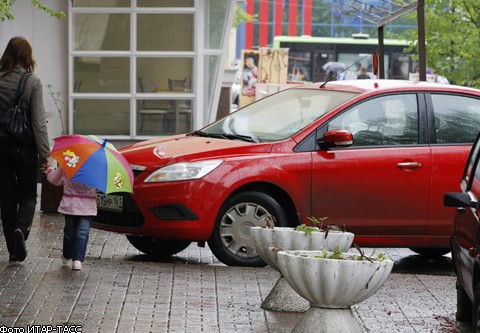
column 318, row 226
column 316, row 221
column 307, row 229
column 340, row 255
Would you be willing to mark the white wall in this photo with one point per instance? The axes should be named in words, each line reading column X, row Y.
column 49, row 38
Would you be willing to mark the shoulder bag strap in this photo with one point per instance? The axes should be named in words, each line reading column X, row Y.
column 21, row 86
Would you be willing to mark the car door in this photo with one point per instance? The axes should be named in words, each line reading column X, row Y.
column 464, row 242
column 456, row 120
column 378, row 188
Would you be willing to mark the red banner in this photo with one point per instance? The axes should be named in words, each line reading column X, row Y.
column 292, row 17
column 307, row 17
column 263, row 34
column 278, row 18
column 249, row 25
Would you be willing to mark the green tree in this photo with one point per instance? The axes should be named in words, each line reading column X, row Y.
column 452, row 29
column 6, row 6
column 242, row 16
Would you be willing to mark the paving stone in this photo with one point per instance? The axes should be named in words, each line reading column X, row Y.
column 122, row 290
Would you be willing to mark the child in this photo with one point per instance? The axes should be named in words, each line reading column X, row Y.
column 78, row 204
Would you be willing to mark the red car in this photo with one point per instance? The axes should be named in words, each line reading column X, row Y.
column 374, row 156
column 465, row 241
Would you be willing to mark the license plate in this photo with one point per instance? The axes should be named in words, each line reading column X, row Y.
column 110, row 202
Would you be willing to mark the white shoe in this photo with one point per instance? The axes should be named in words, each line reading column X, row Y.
column 77, row 265
column 66, row 262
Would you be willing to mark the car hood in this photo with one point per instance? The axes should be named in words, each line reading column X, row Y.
column 154, row 153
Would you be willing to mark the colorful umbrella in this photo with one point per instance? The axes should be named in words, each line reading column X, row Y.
column 92, row 161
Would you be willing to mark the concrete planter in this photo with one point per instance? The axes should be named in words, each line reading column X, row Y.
column 285, row 238
column 268, row 240
column 331, row 286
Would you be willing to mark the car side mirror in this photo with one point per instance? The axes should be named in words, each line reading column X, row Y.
column 458, row 200
column 336, row 138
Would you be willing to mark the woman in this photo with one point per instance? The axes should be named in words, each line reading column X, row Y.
column 19, row 161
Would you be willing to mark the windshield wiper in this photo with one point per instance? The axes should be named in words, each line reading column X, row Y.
column 242, row 137
column 228, row 136
column 211, row 135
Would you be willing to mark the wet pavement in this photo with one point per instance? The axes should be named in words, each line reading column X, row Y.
column 122, row 290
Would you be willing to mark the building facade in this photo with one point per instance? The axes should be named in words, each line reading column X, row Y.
column 319, row 18
column 127, row 69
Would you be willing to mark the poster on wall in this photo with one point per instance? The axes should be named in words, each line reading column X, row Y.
column 250, row 63
column 273, row 65
column 264, row 66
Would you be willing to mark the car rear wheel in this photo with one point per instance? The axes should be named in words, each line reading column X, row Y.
column 231, row 241
column 431, row 252
column 476, row 311
column 157, row 247
column 464, row 305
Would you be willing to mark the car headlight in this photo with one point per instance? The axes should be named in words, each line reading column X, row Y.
column 183, row 171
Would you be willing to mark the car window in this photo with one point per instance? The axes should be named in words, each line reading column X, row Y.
column 281, row 115
column 387, row 120
column 457, row 118
column 472, row 166
column 475, row 182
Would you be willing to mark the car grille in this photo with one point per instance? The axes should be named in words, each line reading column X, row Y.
column 136, row 173
column 131, row 217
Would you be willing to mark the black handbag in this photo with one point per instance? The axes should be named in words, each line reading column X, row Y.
column 17, row 120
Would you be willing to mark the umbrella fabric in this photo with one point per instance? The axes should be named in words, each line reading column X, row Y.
column 334, row 66
column 92, row 161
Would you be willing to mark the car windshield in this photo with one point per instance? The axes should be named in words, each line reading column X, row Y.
column 278, row 116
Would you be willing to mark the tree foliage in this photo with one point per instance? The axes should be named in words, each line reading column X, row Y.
column 452, row 29
column 6, row 6
column 242, row 16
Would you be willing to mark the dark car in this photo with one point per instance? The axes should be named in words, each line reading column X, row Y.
column 374, row 156
column 465, row 241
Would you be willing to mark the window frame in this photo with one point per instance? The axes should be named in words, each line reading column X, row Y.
column 132, row 54
column 431, row 114
column 421, row 118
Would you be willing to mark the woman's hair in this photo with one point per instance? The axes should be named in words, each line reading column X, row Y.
column 18, row 53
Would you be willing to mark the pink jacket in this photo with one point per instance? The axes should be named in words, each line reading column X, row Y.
column 78, row 199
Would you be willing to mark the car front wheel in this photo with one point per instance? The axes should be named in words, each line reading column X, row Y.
column 231, row 241
column 157, row 247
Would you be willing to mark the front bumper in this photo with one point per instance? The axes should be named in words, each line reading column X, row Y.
column 130, row 218
column 172, row 210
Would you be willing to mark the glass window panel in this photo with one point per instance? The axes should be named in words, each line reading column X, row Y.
column 153, row 73
column 165, row 3
column 471, row 165
column 457, row 118
column 101, row 74
column 99, row 32
column 215, row 23
column 280, row 115
column 400, row 67
column 165, row 32
column 211, row 66
column 389, row 120
column 163, row 116
column 103, row 3
column 348, row 59
column 299, row 66
column 101, row 116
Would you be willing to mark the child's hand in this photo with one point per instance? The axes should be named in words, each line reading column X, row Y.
column 46, row 165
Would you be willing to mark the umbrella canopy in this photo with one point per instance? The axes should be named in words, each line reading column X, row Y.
column 334, row 66
column 92, row 161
